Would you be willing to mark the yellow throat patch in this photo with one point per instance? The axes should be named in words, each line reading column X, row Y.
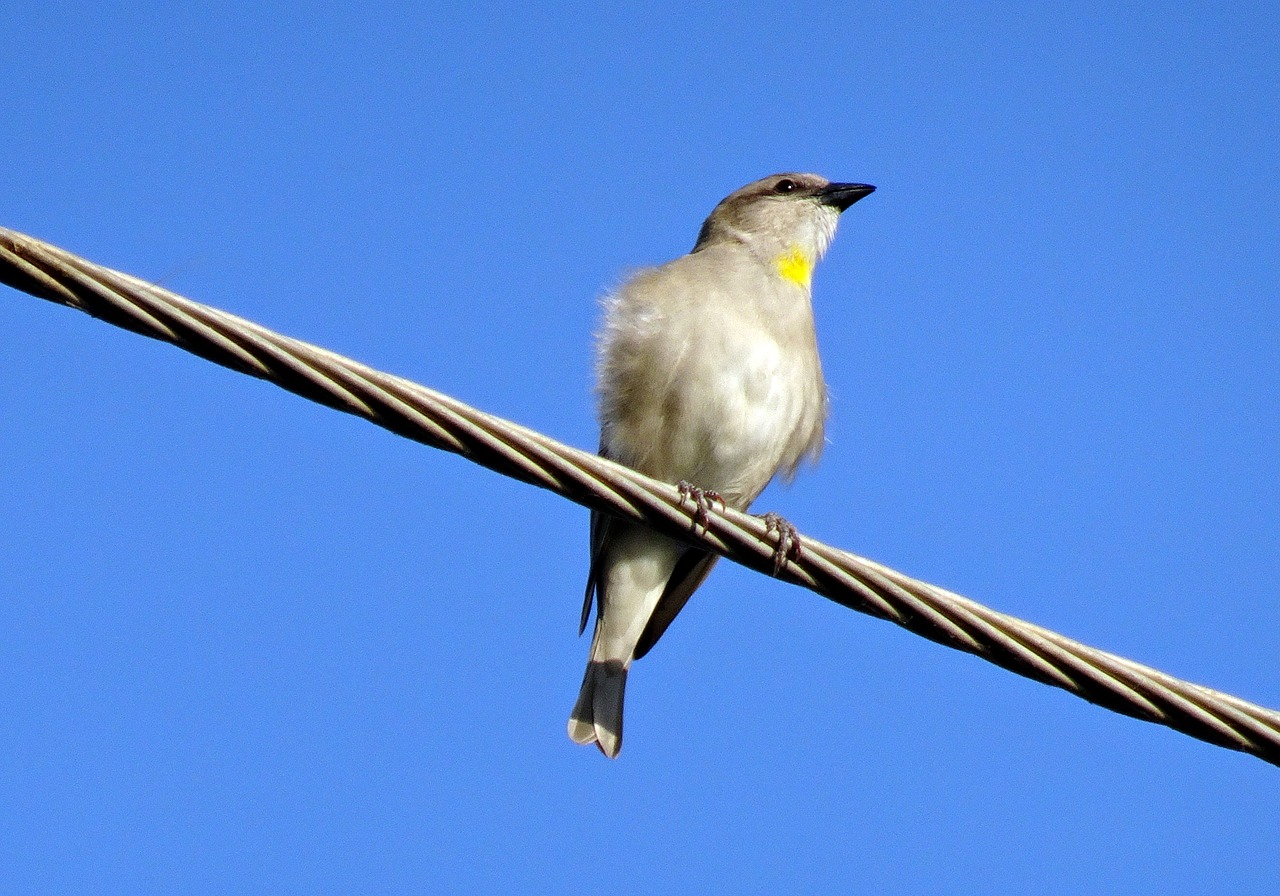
column 796, row 266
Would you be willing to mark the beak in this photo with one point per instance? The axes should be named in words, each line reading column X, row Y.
column 844, row 195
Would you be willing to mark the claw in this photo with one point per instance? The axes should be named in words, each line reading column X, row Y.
column 788, row 545
column 702, row 499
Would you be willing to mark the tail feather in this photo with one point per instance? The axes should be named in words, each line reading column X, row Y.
column 597, row 716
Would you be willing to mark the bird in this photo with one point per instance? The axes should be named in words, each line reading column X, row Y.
column 708, row 376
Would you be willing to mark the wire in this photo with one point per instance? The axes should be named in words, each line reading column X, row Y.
column 426, row 416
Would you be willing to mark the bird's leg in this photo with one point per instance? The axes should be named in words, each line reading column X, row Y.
column 788, row 546
column 702, row 499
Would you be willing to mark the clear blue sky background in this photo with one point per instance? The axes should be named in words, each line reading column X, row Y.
column 251, row 645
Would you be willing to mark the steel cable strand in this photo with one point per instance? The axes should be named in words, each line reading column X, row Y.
column 421, row 414
column 1103, row 678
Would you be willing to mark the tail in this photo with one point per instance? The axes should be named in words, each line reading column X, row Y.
column 597, row 716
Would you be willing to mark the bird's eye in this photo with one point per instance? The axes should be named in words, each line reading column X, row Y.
column 786, row 185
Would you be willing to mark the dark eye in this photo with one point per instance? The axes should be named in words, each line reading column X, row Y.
column 786, row 185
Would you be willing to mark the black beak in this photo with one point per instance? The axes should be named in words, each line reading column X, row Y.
column 844, row 195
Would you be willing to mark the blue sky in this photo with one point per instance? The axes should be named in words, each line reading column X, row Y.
column 251, row 645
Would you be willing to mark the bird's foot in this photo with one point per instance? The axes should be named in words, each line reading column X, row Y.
column 788, row 544
column 702, row 499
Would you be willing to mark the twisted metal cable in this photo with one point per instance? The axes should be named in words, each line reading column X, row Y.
column 426, row 416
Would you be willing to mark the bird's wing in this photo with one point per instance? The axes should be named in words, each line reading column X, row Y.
column 690, row 570
column 600, row 525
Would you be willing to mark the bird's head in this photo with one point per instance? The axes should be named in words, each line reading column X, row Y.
column 788, row 219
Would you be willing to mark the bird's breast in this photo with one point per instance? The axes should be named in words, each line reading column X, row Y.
column 710, row 373
column 738, row 407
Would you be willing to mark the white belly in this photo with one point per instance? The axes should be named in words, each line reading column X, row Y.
column 737, row 423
